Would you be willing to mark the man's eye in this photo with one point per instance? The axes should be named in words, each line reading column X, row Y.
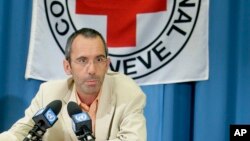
column 100, row 59
column 82, row 60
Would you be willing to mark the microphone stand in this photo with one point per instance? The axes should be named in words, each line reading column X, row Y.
column 86, row 136
column 35, row 134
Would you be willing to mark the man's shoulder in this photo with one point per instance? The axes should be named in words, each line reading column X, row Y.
column 57, row 87
column 58, row 83
column 118, row 76
column 123, row 85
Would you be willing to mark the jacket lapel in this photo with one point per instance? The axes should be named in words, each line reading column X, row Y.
column 105, row 110
column 65, row 116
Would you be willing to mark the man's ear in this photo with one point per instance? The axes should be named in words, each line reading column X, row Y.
column 107, row 64
column 66, row 66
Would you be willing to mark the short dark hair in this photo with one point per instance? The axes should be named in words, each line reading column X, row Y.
column 86, row 32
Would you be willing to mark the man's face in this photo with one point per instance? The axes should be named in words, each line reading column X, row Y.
column 88, row 64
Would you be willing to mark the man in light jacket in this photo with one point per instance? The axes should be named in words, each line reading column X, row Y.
column 114, row 101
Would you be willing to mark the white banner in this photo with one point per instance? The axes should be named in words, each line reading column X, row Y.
column 152, row 41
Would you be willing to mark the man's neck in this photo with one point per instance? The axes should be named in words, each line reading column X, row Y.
column 87, row 98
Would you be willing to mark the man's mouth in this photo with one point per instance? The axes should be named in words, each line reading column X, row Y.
column 91, row 82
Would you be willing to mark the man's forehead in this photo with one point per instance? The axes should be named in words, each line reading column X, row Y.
column 82, row 40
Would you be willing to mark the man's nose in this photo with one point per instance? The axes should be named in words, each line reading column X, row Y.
column 91, row 68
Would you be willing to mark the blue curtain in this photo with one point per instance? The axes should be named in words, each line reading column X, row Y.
column 194, row 111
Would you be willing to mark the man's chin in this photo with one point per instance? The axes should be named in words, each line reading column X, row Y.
column 92, row 91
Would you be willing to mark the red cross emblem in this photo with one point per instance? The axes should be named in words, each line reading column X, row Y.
column 121, row 16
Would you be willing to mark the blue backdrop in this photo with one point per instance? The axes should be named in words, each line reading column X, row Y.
column 194, row 111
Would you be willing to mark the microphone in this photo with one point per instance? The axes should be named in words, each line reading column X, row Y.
column 44, row 119
column 82, row 124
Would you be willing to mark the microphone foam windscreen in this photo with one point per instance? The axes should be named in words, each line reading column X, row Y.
column 55, row 105
column 73, row 108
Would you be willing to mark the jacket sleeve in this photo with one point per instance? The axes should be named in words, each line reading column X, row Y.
column 20, row 129
column 133, row 123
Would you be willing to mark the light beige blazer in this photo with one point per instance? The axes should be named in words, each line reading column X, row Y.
column 119, row 115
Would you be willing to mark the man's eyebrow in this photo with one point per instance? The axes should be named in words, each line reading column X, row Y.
column 81, row 57
column 101, row 55
column 84, row 57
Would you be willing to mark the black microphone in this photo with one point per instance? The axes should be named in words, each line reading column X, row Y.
column 44, row 119
column 82, row 124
